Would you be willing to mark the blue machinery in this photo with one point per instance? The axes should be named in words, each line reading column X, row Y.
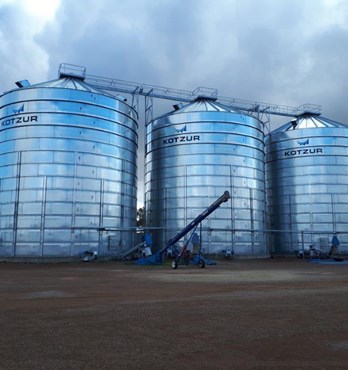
column 198, row 260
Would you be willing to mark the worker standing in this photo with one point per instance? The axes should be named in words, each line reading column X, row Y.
column 148, row 244
column 334, row 245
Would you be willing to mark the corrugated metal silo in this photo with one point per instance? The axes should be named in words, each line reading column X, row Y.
column 68, row 170
column 307, row 183
column 193, row 155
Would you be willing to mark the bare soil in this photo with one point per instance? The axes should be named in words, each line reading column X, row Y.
column 239, row 314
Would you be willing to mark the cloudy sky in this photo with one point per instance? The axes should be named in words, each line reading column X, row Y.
column 287, row 52
column 279, row 51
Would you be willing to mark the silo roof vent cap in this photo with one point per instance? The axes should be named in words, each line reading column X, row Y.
column 72, row 70
column 294, row 123
column 204, row 93
column 23, row 83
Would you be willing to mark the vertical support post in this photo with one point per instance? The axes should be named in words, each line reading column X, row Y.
column 165, row 218
column 148, row 107
column 43, row 214
column 333, row 210
column 264, row 233
column 73, row 213
column 135, row 99
column 101, row 213
column 310, row 208
column 16, row 205
column 185, row 197
column 124, row 214
column 209, row 224
column 200, row 238
column 266, row 121
column 290, row 224
column 252, row 221
column 303, row 249
column 101, row 203
column 1, row 182
column 232, row 208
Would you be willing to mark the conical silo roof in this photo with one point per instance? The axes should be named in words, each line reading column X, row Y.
column 309, row 121
column 70, row 83
column 204, row 104
column 201, row 104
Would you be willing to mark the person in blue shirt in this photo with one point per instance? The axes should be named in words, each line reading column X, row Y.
column 334, row 245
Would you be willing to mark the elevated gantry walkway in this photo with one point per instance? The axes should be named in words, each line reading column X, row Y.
column 262, row 111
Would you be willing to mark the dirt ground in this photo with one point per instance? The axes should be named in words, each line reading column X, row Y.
column 238, row 314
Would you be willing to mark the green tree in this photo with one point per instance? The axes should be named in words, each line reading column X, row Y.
column 140, row 217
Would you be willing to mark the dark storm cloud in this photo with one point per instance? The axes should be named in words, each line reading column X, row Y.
column 141, row 41
column 286, row 52
column 327, row 78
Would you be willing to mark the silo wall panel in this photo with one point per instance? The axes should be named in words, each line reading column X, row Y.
column 191, row 159
column 67, row 156
column 306, row 176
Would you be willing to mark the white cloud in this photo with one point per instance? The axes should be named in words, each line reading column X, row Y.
column 21, row 56
column 42, row 11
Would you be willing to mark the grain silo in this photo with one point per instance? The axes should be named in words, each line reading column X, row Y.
column 307, row 184
column 68, row 170
column 193, row 155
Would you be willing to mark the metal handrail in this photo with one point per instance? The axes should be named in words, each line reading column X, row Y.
column 154, row 91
